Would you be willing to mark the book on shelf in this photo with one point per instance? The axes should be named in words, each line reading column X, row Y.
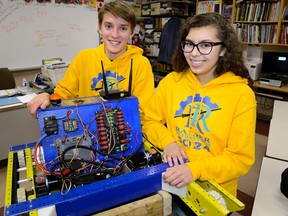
column 274, row 11
column 209, row 6
column 257, row 11
column 283, row 36
column 262, row 11
column 242, row 12
column 266, row 11
column 277, row 11
column 262, row 34
column 251, row 9
column 285, row 13
column 227, row 11
column 274, row 33
column 286, row 34
column 238, row 29
column 236, row 18
column 247, row 11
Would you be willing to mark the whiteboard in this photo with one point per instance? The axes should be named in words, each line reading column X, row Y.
column 31, row 32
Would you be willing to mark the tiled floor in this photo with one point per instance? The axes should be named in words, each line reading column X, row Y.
column 247, row 183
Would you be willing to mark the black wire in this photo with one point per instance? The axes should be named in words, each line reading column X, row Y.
column 88, row 148
column 128, row 157
column 71, row 175
column 146, row 138
column 104, row 166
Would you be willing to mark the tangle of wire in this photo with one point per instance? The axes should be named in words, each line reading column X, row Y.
column 110, row 165
column 63, row 169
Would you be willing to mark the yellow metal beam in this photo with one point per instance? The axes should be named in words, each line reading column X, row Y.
column 9, row 179
column 30, row 171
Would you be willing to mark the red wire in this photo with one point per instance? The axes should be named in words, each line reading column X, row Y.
column 66, row 171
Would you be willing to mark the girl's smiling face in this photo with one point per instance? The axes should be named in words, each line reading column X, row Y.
column 203, row 66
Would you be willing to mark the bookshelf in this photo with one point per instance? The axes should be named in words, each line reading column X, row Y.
column 156, row 14
column 261, row 22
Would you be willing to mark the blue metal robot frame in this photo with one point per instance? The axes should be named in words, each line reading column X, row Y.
column 100, row 195
column 96, row 197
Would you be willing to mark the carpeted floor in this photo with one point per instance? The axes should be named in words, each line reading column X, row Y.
column 262, row 128
column 248, row 201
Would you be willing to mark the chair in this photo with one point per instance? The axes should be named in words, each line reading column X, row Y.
column 7, row 79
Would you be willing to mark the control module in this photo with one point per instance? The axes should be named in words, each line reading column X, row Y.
column 82, row 141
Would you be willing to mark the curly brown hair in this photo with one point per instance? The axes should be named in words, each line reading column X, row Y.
column 233, row 58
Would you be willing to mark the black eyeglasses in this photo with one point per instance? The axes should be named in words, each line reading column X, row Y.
column 204, row 48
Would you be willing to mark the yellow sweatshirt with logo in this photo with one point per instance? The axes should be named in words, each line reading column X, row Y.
column 214, row 124
column 84, row 76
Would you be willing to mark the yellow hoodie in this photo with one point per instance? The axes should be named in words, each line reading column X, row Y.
column 213, row 123
column 84, row 76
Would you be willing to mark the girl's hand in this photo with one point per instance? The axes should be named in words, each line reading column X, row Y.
column 174, row 154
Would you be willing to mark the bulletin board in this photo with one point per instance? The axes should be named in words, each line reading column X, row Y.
column 30, row 32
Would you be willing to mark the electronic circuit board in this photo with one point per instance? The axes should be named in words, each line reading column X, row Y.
column 109, row 127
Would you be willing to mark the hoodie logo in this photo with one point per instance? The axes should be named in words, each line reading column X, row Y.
column 196, row 111
column 112, row 81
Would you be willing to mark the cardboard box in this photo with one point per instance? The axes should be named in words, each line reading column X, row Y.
column 155, row 8
column 164, row 20
column 171, row 5
column 173, row 8
column 145, row 9
column 156, row 36
column 149, row 23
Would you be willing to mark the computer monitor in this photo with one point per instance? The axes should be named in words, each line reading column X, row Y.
column 274, row 64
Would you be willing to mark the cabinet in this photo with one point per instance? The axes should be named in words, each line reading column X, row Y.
column 155, row 15
column 261, row 22
column 18, row 128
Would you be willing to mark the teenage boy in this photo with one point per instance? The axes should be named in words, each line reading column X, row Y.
column 83, row 77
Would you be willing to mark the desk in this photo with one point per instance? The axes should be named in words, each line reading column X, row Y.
column 280, row 93
column 17, row 126
column 278, row 136
column 266, row 95
column 269, row 200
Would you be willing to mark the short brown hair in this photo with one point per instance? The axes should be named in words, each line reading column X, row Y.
column 118, row 9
